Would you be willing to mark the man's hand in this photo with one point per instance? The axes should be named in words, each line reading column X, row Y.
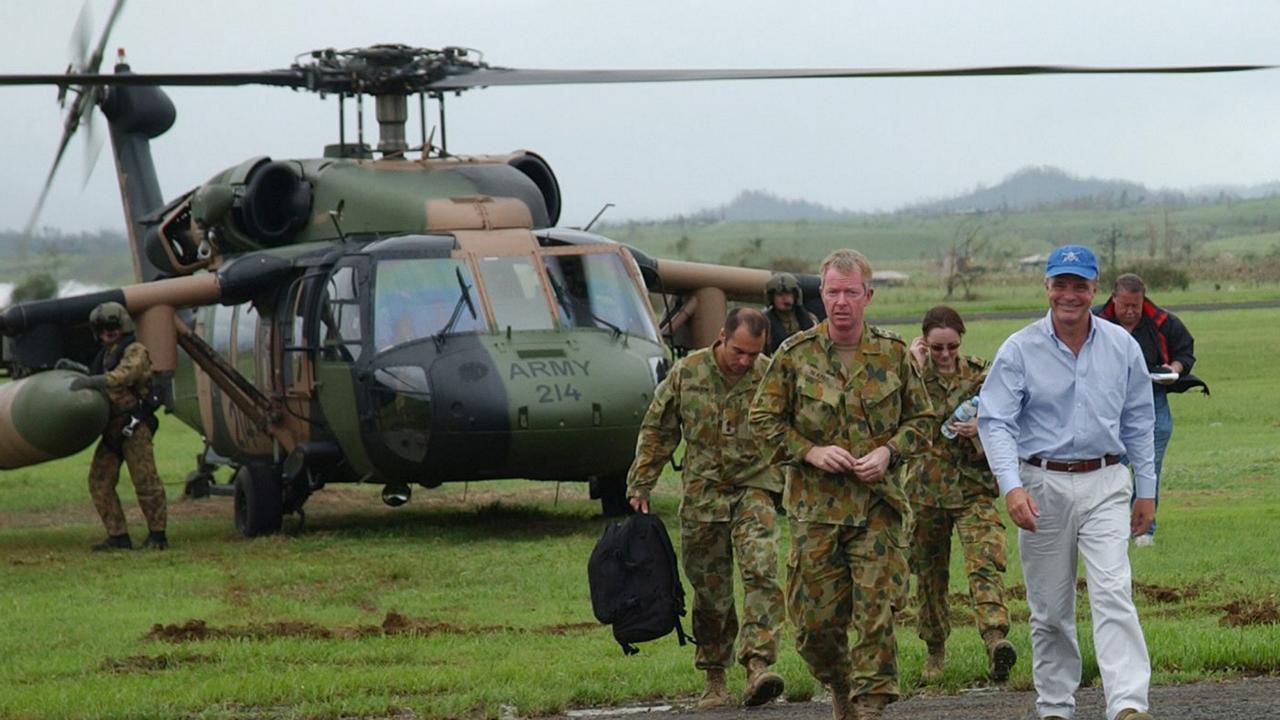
column 871, row 467
column 830, row 458
column 1174, row 367
column 90, row 382
column 640, row 505
column 967, row 429
column 1142, row 515
column 919, row 351
column 1022, row 509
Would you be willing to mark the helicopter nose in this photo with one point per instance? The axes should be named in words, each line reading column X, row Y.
column 532, row 408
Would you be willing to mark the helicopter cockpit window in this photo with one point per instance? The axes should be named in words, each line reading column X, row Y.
column 595, row 291
column 515, row 292
column 415, row 297
column 341, row 316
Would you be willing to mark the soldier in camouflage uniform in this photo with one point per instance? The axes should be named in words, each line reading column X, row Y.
column 842, row 402
column 122, row 370
column 785, row 311
column 952, row 487
column 728, row 506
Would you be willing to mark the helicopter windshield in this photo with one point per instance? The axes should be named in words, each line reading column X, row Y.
column 414, row 298
column 515, row 292
column 595, row 290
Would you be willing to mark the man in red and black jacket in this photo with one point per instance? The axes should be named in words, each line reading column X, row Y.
column 1168, row 348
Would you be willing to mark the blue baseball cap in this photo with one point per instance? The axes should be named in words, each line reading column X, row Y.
column 1072, row 260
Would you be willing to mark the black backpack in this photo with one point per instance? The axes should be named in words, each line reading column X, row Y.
column 635, row 584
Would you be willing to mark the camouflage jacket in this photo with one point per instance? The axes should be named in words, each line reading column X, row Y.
column 721, row 455
column 808, row 398
column 951, row 473
column 129, row 378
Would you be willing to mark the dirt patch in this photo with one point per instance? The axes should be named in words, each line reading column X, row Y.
column 394, row 624
column 1247, row 611
column 1166, row 594
column 153, row 663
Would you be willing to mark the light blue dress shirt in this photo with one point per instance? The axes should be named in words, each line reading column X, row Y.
column 1041, row 399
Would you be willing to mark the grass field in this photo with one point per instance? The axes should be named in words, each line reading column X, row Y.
column 472, row 601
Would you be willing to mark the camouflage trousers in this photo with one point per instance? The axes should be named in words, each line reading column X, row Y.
column 982, row 536
column 104, row 474
column 843, row 576
column 708, row 550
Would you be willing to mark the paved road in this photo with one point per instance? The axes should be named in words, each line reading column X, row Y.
column 1245, row 699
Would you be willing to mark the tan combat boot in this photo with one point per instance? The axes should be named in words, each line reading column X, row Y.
column 1133, row 714
column 934, row 663
column 1001, row 655
column 841, row 704
column 871, row 707
column 716, row 692
column 763, row 684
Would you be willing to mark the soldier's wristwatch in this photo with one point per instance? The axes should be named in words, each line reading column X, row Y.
column 894, row 456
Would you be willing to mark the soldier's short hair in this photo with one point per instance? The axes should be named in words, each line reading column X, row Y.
column 1129, row 282
column 846, row 261
column 941, row 316
column 751, row 318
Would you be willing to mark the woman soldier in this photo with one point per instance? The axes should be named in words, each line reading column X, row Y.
column 952, row 487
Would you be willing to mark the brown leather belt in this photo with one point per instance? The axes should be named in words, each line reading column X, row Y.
column 1073, row 466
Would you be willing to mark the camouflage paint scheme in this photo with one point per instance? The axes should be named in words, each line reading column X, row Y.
column 952, row 488
column 727, row 505
column 41, row 419
column 848, row 559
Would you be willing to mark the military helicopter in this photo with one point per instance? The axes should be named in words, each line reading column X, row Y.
column 395, row 314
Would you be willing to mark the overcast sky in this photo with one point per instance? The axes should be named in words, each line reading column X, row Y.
column 660, row 149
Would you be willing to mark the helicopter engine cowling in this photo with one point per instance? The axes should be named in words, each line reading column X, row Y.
column 276, row 203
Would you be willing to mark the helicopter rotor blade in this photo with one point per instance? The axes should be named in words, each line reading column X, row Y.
column 280, row 78
column 93, row 141
column 493, row 77
column 82, row 106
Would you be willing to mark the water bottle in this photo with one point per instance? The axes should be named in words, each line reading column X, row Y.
column 964, row 412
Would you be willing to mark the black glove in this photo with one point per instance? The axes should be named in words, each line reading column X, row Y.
column 90, row 382
column 67, row 364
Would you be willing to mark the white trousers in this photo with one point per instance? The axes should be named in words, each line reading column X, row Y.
column 1082, row 515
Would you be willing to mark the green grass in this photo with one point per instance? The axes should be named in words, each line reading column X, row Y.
column 494, row 576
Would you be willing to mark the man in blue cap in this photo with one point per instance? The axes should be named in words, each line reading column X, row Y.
column 1065, row 399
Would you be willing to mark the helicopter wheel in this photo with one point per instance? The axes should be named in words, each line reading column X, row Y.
column 259, row 500
column 612, row 491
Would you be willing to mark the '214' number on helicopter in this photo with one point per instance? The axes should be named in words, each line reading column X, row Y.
column 558, row 393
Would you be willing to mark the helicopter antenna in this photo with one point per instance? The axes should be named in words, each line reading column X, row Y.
column 597, row 217
column 334, row 216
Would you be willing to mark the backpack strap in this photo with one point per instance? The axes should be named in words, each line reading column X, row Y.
column 677, row 594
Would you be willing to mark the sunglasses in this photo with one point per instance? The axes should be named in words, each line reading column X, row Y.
column 949, row 346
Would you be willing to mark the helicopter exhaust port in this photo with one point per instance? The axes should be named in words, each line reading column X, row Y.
column 396, row 494
column 276, row 203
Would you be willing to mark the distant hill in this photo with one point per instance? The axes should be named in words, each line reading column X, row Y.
column 759, row 205
column 1042, row 187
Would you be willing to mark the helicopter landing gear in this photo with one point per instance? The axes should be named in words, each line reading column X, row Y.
column 259, row 500
column 611, row 490
column 198, row 484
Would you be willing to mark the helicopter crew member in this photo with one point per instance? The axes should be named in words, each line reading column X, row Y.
column 728, row 507
column 785, row 311
column 122, row 370
column 842, row 402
